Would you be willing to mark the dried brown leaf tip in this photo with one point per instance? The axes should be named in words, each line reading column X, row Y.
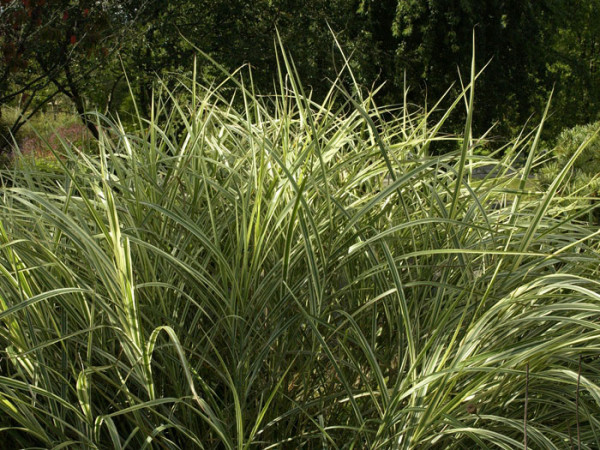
column 471, row 408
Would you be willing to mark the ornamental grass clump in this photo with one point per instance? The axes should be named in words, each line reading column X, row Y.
column 287, row 273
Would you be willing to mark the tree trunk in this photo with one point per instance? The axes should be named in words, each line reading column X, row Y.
column 77, row 100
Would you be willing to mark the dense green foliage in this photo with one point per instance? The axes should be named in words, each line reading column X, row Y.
column 583, row 180
column 575, row 61
column 292, row 273
column 435, row 41
column 81, row 50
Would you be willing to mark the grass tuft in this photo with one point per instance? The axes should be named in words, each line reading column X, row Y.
column 266, row 271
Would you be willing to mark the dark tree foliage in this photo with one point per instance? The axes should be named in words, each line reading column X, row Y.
column 574, row 61
column 82, row 50
column 435, row 41
column 60, row 47
column 238, row 32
